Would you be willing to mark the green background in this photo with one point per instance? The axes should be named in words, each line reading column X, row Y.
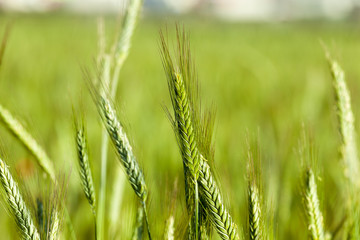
column 264, row 79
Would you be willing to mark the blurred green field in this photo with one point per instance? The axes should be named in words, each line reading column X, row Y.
column 263, row 79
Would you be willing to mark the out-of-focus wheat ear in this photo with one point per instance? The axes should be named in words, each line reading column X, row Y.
column 50, row 208
column 4, row 42
column 15, row 127
column 54, row 229
column 346, row 120
column 84, row 167
column 139, row 225
column 124, row 42
column 169, row 232
column 124, row 150
column 213, row 203
column 312, row 203
column 17, row 205
column 204, row 235
column 101, row 37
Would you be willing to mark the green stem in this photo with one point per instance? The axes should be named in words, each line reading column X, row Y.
column 69, row 223
column 196, row 212
column 102, row 193
column 96, row 227
column 146, row 219
column 104, row 152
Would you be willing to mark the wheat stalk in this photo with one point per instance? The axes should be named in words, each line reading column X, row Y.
column 139, row 225
column 315, row 218
column 216, row 209
column 28, row 141
column 17, row 205
column 84, row 169
column 121, row 53
column 116, row 199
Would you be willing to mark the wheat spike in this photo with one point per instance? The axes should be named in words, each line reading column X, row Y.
column 123, row 148
column 85, row 170
column 124, row 42
column 346, row 123
column 183, row 109
column 129, row 24
column 53, row 233
column 185, row 127
column 17, row 205
column 180, row 79
column 315, row 218
column 219, row 215
column 256, row 225
column 28, row 141
column 254, row 212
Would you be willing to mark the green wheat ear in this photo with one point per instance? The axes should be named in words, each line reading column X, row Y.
column 17, row 205
column 254, row 212
column 255, row 216
column 180, row 78
column 315, row 221
column 123, row 149
column 194, row 133
column 84, row 167
column 312, row 203
column 348, row 147
column 346, row 120
column 213, row 203
column 17, row 129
